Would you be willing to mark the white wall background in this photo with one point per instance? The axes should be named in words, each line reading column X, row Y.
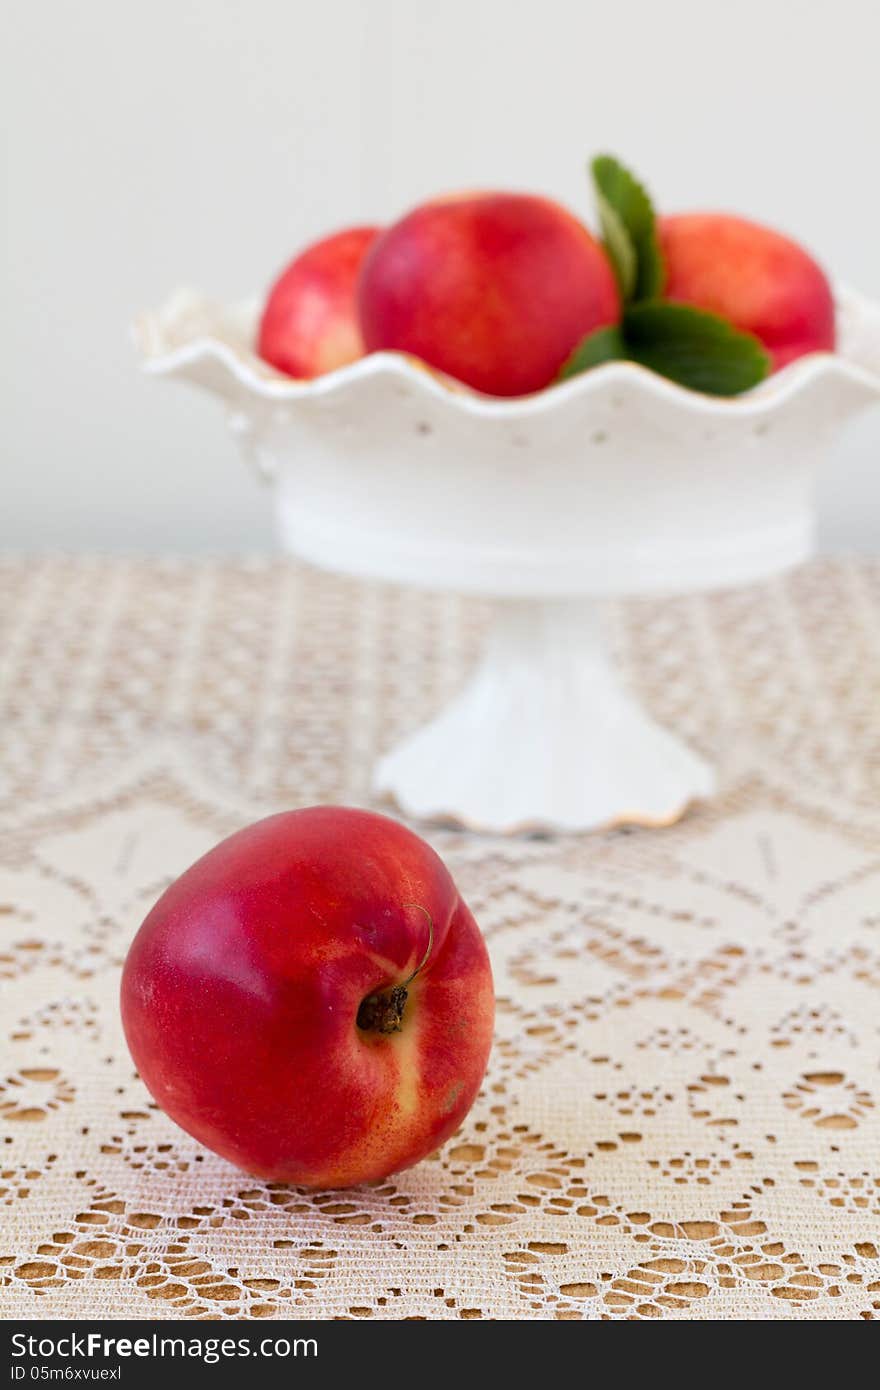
column 204, row 141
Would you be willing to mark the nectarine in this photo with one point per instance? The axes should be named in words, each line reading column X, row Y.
column 310, row 323
column 759, row 280
column 312, row 999
column 495, row 289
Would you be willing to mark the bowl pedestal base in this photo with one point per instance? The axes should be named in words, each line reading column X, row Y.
column 543, row 737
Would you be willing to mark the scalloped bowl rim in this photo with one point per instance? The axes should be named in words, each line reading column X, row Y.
column 264, row 381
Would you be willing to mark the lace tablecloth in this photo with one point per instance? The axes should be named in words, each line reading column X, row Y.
column 681, row 1115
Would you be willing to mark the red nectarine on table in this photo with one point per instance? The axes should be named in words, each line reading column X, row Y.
column 312, row 999
column 310, row 323
column 757, row 279
column 495, row 289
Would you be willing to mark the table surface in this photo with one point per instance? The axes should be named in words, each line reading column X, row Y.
column 680, row 1117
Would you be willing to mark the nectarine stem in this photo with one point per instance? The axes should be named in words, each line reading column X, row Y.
column 383, row 1012
column 424, row 961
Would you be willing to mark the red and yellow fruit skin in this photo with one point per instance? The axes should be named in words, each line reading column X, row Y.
column 495, row 289
column 758, row 279
column 241, row 991
column 310, row 322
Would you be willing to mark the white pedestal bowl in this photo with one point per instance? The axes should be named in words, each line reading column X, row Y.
column 614, row 483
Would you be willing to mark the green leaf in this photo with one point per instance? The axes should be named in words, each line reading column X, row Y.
column 690, row 346
column 629, row 229
column 619, row 246
column 697, row 349
column 602, row 345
